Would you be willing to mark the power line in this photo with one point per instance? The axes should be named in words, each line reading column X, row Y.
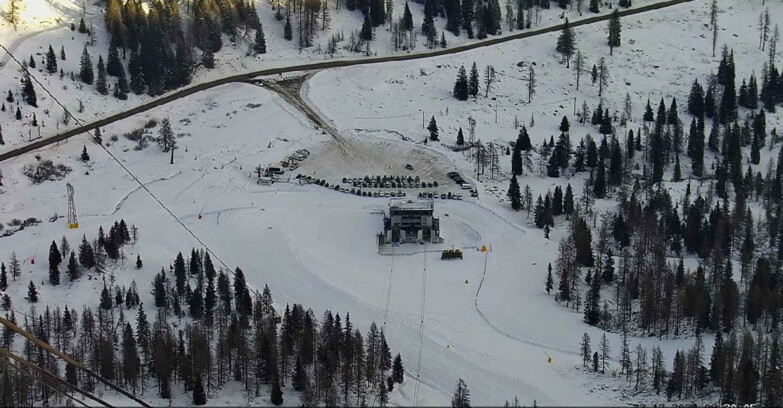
column 133, row 176
column 25, row 363
column 69, row 360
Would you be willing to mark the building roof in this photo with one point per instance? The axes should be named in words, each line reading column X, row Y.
column 411, row 205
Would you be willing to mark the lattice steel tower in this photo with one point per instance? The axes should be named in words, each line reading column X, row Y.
column 72, row 221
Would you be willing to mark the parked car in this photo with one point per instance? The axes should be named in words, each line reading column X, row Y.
column 409, row 167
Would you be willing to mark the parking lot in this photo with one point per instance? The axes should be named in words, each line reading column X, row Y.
column 394, row 186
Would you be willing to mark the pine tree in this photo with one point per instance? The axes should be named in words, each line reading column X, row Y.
column 696, row 100
column 276, row 394
column 468, row 15
column 51, row 61
column 113, row 65
column 407, row 18
column 566, row 42
column 460, row 137
column 461, row 85
column 137, row 83
column 615, row 27
column 461, row 397
column 106, row 301
column 585, row 349
column 514, row 194
column 260, row 44
column 101, row 85
column 32, row 293
column 366, row 32
column 593, row 6
column 3, row 277
column 433, row 129
column 599, row 184
column 397, row 370
column 473, row 82
column 199, row 396
column 29, row 92
column 549, row 281
column 287, row 31
column 85, row 72
column 55, row 258
column 73, row 268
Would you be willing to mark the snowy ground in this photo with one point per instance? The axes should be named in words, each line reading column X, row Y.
column 45, row 23
column 287, row 235
column 393, row 99
column 486, row 318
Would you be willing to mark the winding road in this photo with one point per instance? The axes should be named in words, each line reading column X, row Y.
column 249, row 76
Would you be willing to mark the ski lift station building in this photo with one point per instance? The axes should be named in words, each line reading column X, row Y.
column 410, row 221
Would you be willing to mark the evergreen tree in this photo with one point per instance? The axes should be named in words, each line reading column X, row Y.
column 398, row 373
column 276, row 394
column 85, row 72
column 29, row 92
column 709, row 102
column 51, row 61
column 106, row 301
column 55, row 258
column 407, row 18
column 461, row 397
column 199, row 396
column 260, row 44
column 648, row 112
column 73, row 267
column 137, row 83
column 514, row 194
column 593, row 6
column 696, row 100
column 366, row 32
column 549, row 281
column 101, row 85
column 599, row 184
column 460, row 137
column 3, row 277
column 461, row 85
column 568, row 200
column 86, row 254
column 433, row 129
column 566, row 43
column 287, row 31
column 32, row 293
column 615, row 27
column 113, row 65
column 468, row 15
column 473, row 82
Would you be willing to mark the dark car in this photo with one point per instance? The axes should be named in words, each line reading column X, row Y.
column 409, row 167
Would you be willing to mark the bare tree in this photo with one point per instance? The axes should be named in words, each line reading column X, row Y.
column 489, row 78
column 579, row 66
column 763, row 28
column 531, row 84
column 603, row 76
column 13, row 12
column 714, row 24
column 773, row 45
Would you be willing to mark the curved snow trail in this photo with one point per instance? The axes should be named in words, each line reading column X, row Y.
column 127, row 195
column 511, row 336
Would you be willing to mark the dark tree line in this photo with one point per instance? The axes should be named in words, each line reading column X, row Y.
column 209, row 329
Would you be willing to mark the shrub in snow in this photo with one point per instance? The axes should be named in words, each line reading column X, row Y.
column 45, row 170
